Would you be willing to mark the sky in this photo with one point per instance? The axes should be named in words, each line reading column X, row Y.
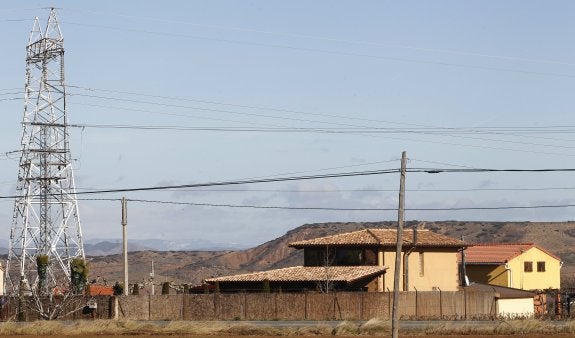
column 260, row 89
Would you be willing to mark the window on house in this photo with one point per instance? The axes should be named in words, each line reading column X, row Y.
column 528, row 266
column 348, row 257
column 421, row 265
column 370, row 257
column 540, row 266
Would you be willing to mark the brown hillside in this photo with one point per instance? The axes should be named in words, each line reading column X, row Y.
column 195, row 266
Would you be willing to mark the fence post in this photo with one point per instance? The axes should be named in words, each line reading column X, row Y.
column 361, row 306
column 275, row 306
column 305, row 305
column 216, row 314
column 416, row 303
column 116, row 306
column 244, row 306
column 182, row 308
column 388, row 304
column 440, row 304
column 465, row 304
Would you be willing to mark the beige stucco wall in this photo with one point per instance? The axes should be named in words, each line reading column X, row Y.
column 513, row 308
column 550, row 279
column 440, row 271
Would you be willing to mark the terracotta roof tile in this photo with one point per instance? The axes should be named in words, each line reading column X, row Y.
column 381, row 237
column 347, row 274
column 497, row 253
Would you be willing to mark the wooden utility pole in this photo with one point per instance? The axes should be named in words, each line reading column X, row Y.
column 125, row 243
column 400, row 216
column 152, row 278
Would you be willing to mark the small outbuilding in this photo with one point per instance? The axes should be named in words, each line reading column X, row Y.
column 509, row 302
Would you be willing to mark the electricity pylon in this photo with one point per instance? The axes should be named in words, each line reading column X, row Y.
column 45, row 221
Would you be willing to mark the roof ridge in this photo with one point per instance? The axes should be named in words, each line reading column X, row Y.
column 373, row 235
column 500, row 244
column 389, row 229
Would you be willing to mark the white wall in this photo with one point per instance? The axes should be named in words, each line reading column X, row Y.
column 513, row 308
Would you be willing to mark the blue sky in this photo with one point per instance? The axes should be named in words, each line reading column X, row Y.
column 302, row 64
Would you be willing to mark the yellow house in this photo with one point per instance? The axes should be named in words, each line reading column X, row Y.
column 428, row 262
column 523, row 266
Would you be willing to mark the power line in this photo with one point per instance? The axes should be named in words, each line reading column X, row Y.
column 323, row 51
column 376, row 190
column 12, row 99
column 420, row 129
column 413, row 126
column 313, row 177
column 174, row 114
column 332, row 39
column 258, row 207
column 479, row 170
column 525, row 131
column 224, row 183
column 357, row 130
column 205, row 109
column 347, row 131
column 352, row 209
column 16, row 20
column 361, row 133
column 442, row 131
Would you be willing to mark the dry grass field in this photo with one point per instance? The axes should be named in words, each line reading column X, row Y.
column 110, row 328
column 232, row 336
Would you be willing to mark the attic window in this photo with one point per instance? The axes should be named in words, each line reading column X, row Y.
column 540, row 266
column 528, row 266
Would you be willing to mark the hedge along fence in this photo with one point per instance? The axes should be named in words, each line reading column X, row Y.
column 306, row 306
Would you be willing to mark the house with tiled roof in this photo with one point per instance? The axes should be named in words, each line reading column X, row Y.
column 362, row 260
column 523, row 266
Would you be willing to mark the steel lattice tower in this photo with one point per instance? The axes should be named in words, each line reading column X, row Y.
column 46, row 219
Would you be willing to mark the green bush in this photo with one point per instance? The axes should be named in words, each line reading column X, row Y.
column 118, row 289
column 79, row 274
column 42, row 262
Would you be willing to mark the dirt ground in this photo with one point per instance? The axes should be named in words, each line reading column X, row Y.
column 207, row 336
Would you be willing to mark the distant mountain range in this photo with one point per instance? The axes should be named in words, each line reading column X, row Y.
column 192, row 261
column 195, row 266
column 103, row 247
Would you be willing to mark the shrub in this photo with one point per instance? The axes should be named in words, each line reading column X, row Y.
column 79, row 274
column 118, row 289
column 42, row 262
column 166, row 288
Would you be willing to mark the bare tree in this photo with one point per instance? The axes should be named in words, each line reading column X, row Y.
column 326, row 285
column 60, row 298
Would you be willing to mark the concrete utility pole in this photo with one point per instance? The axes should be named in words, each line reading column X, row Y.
column 400, row 216
column 152, row 278
column 125, row 243
column 463, row 269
